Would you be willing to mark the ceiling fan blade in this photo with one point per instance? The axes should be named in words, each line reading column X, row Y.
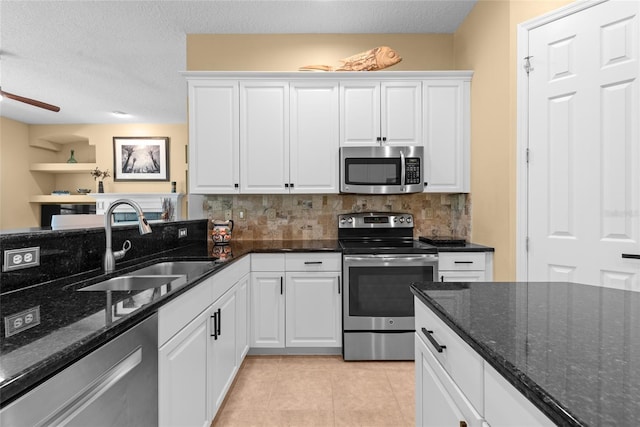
column 30, row 101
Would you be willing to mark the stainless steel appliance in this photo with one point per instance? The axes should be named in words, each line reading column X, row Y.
column 115, row 385
column 380, row 261
column 381, row 170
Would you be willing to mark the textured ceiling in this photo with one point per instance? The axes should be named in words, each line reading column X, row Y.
column 85, row 56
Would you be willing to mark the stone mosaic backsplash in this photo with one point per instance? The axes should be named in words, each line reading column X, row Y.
column 310, row 216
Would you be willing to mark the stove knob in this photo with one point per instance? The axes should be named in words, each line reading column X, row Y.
column 350, row 220
column 342, row 220
column 401, row 219
column 409, row 220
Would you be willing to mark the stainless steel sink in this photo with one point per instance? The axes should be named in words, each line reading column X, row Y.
column 137, row 283
column 191, row 269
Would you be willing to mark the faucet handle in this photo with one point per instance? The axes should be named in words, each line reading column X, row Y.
column 121, row 253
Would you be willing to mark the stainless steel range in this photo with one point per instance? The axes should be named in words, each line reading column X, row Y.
column 380, row 261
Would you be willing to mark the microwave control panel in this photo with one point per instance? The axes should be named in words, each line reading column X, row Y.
column 412, row 168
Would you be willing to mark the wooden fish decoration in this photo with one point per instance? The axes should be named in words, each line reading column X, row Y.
column 374, row 59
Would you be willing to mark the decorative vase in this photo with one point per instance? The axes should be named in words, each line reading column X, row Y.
column 100, row 187
column 72, row 159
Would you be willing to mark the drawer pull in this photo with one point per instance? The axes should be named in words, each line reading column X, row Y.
column 433, row 341
column 631, row 256
column 463, row 262
column 312, row 262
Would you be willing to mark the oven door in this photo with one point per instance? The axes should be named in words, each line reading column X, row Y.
column 376, row 290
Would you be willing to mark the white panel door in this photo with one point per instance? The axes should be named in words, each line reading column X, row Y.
column 267, row 309
column 401, row 113
column 313, row 310
column 584, row 167
column 359, row 113
column 314, row 139
column 264, row 137
column 214, row 163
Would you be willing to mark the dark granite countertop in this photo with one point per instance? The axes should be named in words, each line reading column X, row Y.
column 75, row 323
column 571, row 349
column 467, row 247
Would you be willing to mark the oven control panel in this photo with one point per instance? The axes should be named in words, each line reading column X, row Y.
column 375, row 220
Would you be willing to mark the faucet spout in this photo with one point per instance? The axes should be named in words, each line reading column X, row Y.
column 109, row 261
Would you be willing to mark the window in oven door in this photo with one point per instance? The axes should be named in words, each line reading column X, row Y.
column 383, row 291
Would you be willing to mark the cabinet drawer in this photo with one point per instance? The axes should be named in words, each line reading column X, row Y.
column 313, row 261
column 461, row 261
column 267, row 262
column 458, row 359
column 176, row 314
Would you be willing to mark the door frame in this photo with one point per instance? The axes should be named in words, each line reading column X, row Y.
column 522, row 126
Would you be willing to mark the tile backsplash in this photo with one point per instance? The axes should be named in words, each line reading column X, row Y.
column 310, row 216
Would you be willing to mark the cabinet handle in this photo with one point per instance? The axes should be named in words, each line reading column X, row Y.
column 291, row 184
column 631, row 256
column 312, row 262
column 281, row 286
column 442, row 278
column 378, row 139
column 384, row 139
column 236, row 185
column 463, row 262
column 219, row 322
column 338, row 287
column 433, row 341
column 286, row 185
column 215, row 326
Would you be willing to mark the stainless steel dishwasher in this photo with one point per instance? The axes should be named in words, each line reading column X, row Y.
column 115, row 385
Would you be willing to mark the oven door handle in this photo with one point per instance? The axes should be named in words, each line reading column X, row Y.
column 401, row 258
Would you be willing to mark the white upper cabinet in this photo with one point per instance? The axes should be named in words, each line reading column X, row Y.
column 314, row 139
column 374, row 113
column 280, row 132
column 264, row 136
column 214, row 150
column 446, row 135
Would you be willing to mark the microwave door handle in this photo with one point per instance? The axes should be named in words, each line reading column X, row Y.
column 402, row 168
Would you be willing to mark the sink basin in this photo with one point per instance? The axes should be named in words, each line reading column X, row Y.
column 191, row 269
column 137, row 283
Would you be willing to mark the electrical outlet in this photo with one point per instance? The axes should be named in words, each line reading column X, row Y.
column 16, row 323
column 15, row 259
column 228, row 214
column 242, row 214
column 182, row 232
column 271, row 214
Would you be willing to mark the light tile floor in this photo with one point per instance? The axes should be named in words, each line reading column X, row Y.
column 319, row 391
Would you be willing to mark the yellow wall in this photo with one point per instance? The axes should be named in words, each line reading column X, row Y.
column 486, row 42
column 17, row 154
column 288, row 52
column 15, row 180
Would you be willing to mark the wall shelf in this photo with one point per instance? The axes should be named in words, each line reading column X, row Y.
column 75, row 199
column 63, row 167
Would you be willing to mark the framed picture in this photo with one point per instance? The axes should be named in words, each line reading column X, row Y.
column 140, row 158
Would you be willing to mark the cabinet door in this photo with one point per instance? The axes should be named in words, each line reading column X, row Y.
column 214, row 162
column 313, row 309
column 313, row 158
column 446, row 135
column 439, row 402
column 223, row 348
column 264, row 137
column 182, row 376
column 359, row 113
column 267, row 309
column 242, row 318
column 401, row 113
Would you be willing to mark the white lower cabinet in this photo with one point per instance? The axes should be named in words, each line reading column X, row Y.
column 465, row 266
column 296, row 300
column 457, row 387
column 506, row 407
column 199, row 355
column 440, row 400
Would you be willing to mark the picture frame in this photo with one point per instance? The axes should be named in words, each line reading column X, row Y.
column 141, row 158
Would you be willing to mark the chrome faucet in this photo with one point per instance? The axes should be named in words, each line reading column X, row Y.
column 110, row 257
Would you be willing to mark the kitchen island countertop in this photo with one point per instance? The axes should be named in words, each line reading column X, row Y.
column 573, row 350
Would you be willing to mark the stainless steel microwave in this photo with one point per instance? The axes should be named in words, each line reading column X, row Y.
column 381, row 170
